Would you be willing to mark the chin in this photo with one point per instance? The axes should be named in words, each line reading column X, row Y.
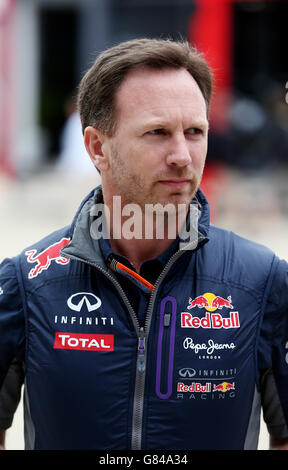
column 172, row 203
column 180, row 198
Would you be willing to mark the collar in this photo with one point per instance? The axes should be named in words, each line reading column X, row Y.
column 85, row 230
column 107, row 252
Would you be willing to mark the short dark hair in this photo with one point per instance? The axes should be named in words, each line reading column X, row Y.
column 98, row 88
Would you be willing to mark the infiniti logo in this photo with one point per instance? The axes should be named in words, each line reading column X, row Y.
column 76, row 301
column 187, row 372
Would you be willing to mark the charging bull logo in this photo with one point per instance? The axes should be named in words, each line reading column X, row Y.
column 210, row 302
column 224, row 387
column 43, row 260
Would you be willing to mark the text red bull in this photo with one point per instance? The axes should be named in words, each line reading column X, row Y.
column 194, row 387
column 43, row 259
column 211, row 320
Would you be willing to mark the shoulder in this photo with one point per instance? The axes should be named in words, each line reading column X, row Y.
column 238, row 259
column 36, row 258
column 238, row 245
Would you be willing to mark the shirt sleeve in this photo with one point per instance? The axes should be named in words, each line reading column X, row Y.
column 10, row 393
column 12, row 325
column 274, row 355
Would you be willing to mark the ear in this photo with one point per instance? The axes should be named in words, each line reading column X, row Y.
column 94, row 140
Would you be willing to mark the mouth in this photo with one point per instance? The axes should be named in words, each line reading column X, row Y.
column 175, row 183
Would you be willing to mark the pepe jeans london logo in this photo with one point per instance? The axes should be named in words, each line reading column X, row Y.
column 77, row 301
column 210, row 347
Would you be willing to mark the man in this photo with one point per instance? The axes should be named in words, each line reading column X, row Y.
column 132, row 337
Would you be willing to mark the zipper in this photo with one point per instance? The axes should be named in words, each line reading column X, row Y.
column 165, row 349
column 140, row 374
column 142, row 333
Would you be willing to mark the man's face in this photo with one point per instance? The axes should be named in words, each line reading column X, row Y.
column 158, row 150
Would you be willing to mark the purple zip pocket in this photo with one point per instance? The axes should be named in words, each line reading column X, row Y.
column 165, row 347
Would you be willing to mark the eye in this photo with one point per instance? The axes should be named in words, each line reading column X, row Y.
column 156, row 132
column 194, row 131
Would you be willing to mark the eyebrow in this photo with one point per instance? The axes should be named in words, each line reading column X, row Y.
column 157, row 123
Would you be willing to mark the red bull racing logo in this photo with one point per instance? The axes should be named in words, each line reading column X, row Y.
column 44, row 258
column 197, row 387
column 210, row 302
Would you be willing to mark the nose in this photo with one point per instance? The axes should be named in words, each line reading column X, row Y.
column 178, row 152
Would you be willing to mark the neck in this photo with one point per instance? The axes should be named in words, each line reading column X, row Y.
column 141, row 235
column 139, row 251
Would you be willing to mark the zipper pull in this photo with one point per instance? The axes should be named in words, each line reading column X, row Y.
column 141, row 351
column 167, row 319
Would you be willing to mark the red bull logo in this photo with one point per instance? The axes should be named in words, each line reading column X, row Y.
column 210, row 302
column 211, row 320
column 43, row 260
column 224, row 387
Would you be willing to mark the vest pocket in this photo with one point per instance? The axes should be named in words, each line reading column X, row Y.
column 165, row 348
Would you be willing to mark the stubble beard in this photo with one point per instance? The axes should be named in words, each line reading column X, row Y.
column 157, row 213
column 133, row 190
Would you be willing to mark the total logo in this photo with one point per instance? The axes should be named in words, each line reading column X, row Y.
column 84, row 342
column 210, row 302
